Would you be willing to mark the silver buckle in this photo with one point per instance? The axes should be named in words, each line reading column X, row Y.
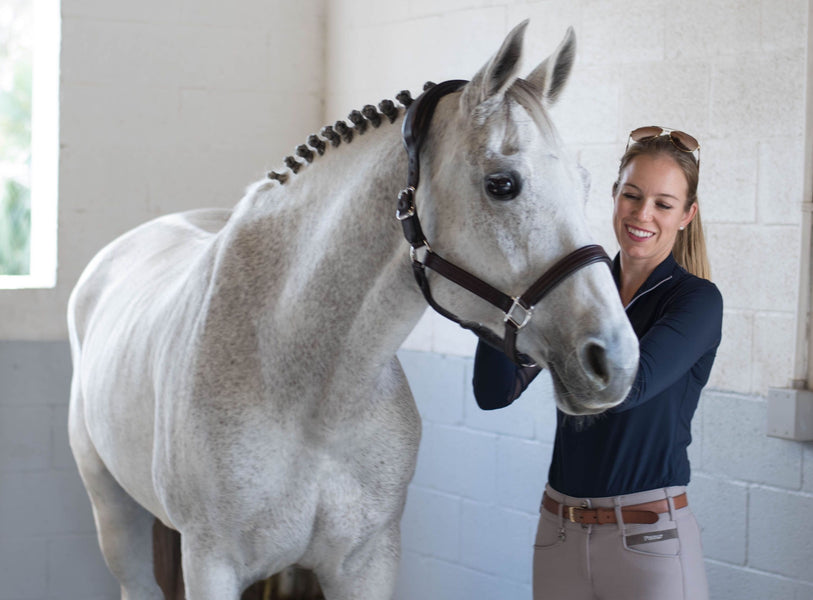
column 509, row 316
column 405, row 216
column 410, row 192
column 413, row 252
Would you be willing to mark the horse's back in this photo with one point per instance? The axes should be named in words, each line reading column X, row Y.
column 151, row 253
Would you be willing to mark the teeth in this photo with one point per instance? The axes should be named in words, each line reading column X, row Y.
column 639, row 232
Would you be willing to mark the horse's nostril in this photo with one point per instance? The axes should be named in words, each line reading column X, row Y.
column 594, row 361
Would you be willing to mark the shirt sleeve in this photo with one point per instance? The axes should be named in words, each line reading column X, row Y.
column 497, row 381
column 689, row 328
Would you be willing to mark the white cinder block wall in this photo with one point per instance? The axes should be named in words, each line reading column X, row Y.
column 730, row 72
column 179, row 104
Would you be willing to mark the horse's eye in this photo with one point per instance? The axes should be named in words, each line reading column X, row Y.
column 503, row 186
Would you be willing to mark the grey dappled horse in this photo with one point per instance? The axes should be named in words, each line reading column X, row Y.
column 235, row 372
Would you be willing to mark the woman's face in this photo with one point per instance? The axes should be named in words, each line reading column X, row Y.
column 649, row 208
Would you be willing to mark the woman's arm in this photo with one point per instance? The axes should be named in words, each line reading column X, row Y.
column 690, row 327
column 497, row 380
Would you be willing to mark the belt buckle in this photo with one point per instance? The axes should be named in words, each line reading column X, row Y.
column 572, row 515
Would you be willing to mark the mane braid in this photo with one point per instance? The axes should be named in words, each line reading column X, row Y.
column 293, row 164
column 317, row 144
column 331, row 136
column 344, row 131
column 404, row 97
column 372, row 115
column 303, row 151
column 340, row 132
column 358, row 120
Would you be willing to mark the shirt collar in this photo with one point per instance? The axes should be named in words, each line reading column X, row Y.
column 663, row 272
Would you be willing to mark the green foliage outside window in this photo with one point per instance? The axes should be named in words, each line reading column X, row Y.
column 15, row 136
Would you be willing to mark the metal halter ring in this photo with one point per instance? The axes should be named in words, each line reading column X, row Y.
column 509, row 316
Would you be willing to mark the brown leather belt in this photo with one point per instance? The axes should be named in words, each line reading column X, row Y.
column 636, row 513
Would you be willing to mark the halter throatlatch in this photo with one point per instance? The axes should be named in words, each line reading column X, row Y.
column 517, row 310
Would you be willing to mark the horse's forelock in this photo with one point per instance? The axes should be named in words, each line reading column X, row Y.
column 527, row 95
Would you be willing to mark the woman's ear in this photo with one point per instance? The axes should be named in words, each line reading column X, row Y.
column 689, row 215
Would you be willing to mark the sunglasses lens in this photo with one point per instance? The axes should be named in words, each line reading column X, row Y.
column 645, row 133
column 684, row 141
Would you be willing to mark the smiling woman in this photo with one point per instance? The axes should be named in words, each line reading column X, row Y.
column 650, row 211
column 628, row 470
column 29, row 56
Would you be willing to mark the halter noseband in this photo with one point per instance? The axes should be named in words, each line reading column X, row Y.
column 517, row 310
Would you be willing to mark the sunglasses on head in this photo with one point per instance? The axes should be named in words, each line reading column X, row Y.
column 680, row 139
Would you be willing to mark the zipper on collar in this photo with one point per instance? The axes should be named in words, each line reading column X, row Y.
column 646, row 292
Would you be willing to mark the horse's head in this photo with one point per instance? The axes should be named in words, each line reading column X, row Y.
column 501, row 198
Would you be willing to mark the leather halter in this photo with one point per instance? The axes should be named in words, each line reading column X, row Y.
column 517, row 310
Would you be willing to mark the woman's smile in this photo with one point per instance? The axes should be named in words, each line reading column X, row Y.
column 638, row 234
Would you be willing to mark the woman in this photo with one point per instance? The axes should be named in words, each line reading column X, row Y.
column 615, row 522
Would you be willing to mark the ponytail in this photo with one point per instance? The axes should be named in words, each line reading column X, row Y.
column 690, row 248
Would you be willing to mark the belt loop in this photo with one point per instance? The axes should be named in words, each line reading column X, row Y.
column 619, row 516
column 562, row 531
column 671, row 501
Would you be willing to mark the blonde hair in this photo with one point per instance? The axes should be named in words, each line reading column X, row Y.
column 690, row 245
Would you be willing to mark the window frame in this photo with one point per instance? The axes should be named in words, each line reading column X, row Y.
column 44, row 151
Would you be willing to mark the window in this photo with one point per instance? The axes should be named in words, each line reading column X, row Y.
column 29, row 89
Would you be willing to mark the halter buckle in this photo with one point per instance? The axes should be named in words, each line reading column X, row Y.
column 509, row 316
column 406, row 201
column 413, row 252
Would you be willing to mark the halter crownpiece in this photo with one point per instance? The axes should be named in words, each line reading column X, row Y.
column 517, row 310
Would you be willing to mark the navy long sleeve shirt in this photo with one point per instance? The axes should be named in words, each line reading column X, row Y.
column 641, row 444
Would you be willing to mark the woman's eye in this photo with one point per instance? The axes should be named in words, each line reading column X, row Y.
column 630, row 196
column 664, row 206
column 503, row 186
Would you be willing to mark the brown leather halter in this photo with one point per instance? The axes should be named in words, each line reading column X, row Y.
column 517, row 310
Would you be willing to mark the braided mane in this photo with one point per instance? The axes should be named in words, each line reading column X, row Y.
column 340, row 131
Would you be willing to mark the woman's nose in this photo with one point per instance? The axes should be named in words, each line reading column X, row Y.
column 643, row 211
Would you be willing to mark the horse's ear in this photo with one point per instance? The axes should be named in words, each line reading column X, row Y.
column 550, row 76
column 497, row 74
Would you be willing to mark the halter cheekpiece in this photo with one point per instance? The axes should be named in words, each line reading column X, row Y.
column 517, row 310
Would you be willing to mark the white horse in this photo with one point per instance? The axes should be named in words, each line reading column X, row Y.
column 235, row 372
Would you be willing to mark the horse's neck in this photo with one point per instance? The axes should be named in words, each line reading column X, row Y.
column 319, row 266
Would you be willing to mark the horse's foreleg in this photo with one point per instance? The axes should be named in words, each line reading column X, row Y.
column 368, row 572
column 124, row 527
column 207, row 575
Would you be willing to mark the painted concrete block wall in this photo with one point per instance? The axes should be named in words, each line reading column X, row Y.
column 48, row 546
column 167, row 106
